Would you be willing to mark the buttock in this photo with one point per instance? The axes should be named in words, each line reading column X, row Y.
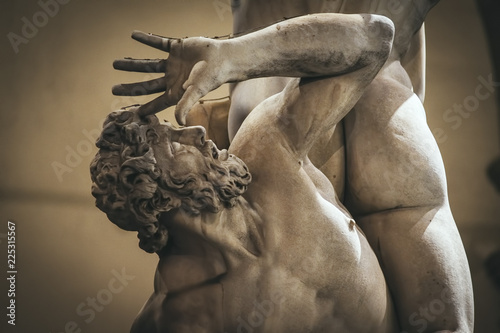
column 393, row 160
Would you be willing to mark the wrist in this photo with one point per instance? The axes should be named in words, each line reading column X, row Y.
column 230, row 69
column 238, row 61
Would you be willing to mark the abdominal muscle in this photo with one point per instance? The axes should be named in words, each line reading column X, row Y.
column 323, row 276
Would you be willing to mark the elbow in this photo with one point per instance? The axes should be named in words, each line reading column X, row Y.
column 380, row 31
column 383, row 27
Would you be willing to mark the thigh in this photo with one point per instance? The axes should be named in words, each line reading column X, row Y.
column 396, row 189
column 425, row 265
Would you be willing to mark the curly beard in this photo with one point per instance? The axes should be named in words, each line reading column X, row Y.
column 132, row 189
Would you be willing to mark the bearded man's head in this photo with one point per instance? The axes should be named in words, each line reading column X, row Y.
column 144, row 168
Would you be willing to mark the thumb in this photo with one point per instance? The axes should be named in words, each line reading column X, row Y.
column 196, row 75
column 190, row 97
column 198, row 84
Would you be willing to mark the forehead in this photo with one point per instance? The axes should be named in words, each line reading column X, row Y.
column 129, row 124
column 127, row 127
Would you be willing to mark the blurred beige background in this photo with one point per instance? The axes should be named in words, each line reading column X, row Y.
column 56, row 90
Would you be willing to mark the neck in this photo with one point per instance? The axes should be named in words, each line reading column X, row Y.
column 234, row 232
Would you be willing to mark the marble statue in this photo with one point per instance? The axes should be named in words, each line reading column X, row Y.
column 328, row 212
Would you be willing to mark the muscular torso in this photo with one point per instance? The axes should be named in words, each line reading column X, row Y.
column 405, row 68
column 283, row 260
column 312, row 264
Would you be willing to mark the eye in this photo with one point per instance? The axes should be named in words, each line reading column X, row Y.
column 215, row 154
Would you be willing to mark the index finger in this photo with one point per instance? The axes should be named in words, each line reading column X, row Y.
column 158, row 42
column 156, row 105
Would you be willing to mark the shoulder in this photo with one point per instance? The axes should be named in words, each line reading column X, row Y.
column 261, row 135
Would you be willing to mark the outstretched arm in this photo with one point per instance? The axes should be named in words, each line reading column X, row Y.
column 308, row 46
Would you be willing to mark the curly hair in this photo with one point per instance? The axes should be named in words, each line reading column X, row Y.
column 132, row 189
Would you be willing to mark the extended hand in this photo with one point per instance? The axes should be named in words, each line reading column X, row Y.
column 191, row 71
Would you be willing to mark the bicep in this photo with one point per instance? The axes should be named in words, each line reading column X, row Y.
column 311, row 106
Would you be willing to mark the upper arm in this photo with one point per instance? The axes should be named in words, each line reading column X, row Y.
column 358, row 46
column 311, row 106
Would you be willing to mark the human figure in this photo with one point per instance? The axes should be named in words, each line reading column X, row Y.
column 390, row 173
column 279, row 254
column 395, row 185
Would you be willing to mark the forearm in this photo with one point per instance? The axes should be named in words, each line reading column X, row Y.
column 308, row 46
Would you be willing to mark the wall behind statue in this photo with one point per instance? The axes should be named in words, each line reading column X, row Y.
column 77, row 271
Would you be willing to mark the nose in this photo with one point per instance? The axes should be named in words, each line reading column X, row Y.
column 192, row 135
